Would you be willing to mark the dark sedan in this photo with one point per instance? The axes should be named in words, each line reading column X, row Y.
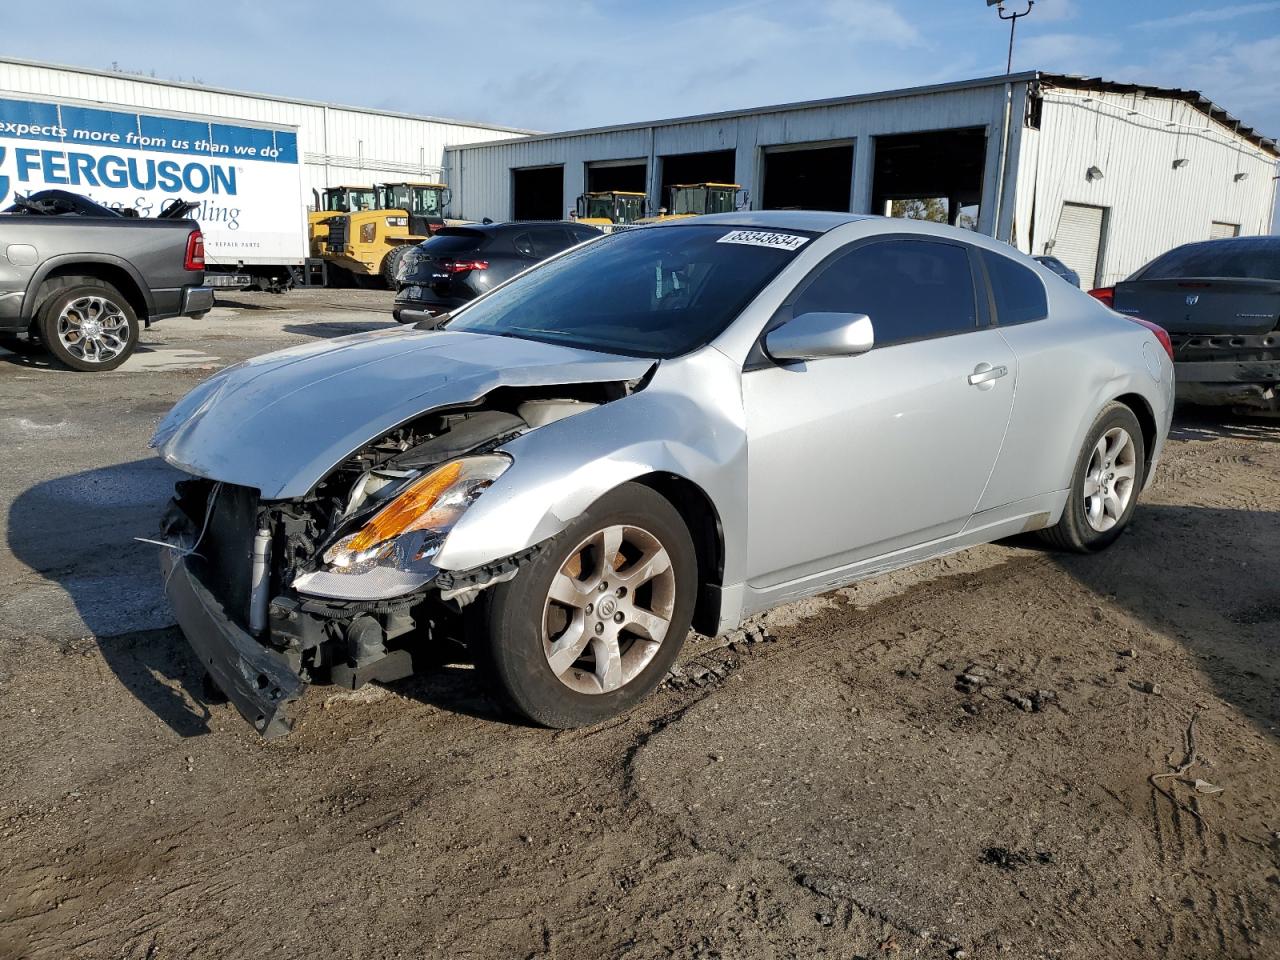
column 1220, row 302
column 459, row 263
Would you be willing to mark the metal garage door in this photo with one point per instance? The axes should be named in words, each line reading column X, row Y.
column 1220, row 231
column 1079, row 240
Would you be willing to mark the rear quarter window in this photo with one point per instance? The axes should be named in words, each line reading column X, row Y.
column 1018, row 291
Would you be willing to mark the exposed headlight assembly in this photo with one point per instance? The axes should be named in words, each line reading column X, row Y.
column 391, row 553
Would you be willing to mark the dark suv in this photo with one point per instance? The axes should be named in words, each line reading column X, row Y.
column 459, row 263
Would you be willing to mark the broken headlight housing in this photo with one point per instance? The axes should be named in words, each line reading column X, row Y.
column 390, row 554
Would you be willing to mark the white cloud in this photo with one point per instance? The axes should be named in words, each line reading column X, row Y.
column 1064, row 52
column 1049, row 11
column 1210, row 15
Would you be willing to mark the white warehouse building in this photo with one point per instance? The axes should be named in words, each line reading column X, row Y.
column 1103, row 175
column 336, row 145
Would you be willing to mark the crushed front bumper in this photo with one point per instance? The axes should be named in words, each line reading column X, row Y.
column 259, row 681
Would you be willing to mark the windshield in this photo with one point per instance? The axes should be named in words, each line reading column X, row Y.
column 630, row 209
column 426, row 202
column 1242, row 259
column 362, row 199
column 688, row 200
column 650, row 292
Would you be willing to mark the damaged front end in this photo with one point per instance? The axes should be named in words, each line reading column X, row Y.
column 338, row 585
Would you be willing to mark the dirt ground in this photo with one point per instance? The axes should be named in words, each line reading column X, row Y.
column 950, row 761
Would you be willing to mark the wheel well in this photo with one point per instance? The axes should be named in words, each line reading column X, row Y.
column 700, row 516
column 1146, row 420
column 118, row 277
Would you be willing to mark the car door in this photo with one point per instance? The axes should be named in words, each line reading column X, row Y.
column 851, row 458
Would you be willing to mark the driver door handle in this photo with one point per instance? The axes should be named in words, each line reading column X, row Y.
column 986, row 373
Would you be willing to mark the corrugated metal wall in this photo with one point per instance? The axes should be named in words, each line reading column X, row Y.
column 337, row 144
column 1152, row 206
column 481, row 175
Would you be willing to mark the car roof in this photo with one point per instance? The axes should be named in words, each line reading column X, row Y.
column 1265, row 242
column 819, row 221
column 504, row 226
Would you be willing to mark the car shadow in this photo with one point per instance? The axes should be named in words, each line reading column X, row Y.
column 326, row 329
column 1218, row 423
column 40, row 359
column 77, row 532
column 1205, row 578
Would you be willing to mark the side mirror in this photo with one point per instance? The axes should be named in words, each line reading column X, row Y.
column 813, row 336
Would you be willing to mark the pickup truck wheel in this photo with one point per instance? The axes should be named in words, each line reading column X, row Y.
column 88, row 325
column 593, row 622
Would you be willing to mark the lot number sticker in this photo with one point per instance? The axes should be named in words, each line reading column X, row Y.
column 759, row 238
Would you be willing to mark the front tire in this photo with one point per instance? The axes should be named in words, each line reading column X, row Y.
column 1109, row 474
column 594, row 621
column 88, row 325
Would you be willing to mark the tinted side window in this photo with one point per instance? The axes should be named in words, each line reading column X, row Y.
column 548, row 241
column 1019, row 293
column 523, row 242
column 911, row 289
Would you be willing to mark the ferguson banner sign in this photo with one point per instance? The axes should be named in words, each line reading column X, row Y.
column 245, row 180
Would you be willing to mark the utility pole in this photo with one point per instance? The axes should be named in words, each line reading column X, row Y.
column 1013, row 25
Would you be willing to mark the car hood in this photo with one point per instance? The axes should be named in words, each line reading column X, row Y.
column 282, row 421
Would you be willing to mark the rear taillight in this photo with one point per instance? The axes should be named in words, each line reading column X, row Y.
column 195, row 251
column 1160, row 332
column 1106, row 294
column 464, row 266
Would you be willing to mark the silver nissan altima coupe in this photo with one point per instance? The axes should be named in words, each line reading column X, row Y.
column 671, row 427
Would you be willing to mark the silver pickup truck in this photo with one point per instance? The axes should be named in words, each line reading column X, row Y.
column 78, row 279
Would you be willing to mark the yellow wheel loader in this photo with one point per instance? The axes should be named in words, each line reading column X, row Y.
column 335, row 200
column 610, row 208
column 695, row 199
column 369, row 244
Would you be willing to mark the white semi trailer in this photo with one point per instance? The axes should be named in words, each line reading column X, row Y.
column 245, row 179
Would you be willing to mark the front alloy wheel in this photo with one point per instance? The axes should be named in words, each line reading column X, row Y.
column 594, row 620
column 608, row 609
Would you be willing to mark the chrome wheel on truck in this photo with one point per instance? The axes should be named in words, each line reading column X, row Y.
column 88, row 325
column 93, row 329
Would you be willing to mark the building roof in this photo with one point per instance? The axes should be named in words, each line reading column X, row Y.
column 203, row 88
column 772, row 108
column 1070, row 81
column 1197, row 99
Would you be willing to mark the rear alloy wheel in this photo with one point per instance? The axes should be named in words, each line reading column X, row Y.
column 593, row 622
column 1104, row 488
column 89, row 326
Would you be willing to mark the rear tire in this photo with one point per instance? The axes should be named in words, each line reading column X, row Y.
column 571, row 640
column 1108, row 476
column 391, row 264
column 88, row 325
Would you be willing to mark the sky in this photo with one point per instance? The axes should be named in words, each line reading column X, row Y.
column 548, row 65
